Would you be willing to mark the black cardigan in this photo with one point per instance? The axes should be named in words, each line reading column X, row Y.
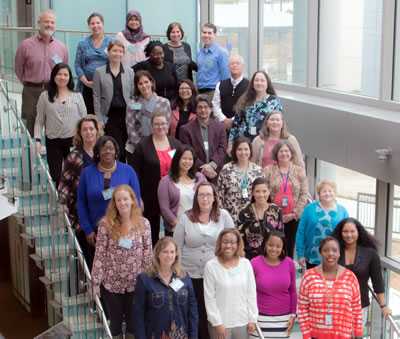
column 169, row 56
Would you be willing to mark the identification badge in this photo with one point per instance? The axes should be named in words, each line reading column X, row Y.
column 206, row 145
column 56, row 59
column 328, row 319
column 253, row 130
column 107, row 194
column 171, row 153
column 125, row 243
column 135, row 106
column 245, row 193
column 176, row 284
column 285, row 201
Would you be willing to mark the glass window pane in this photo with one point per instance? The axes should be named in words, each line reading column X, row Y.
column 394, row 244
column 350, row 46
column 284, row 43
column 396, row 74
column 394, row 294
column 232, row 20
column 355, row 191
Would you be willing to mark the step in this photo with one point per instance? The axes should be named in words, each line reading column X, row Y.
column 85, row 326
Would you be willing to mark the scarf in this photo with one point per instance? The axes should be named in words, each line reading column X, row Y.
column 134, row 36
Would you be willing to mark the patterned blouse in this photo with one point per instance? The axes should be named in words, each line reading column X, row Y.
column 249, row 122
column 254, row 231
column 116, row 266
column 234, row 187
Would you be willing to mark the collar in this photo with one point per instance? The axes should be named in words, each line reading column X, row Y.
column 202, row 125
column 236, row 82
column 40, row 38
column 210, row 49
column 108, row 68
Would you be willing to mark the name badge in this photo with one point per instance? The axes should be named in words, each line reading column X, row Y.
column 253, row 130
column 125, row 243
column 245, row 193
column 107, row 194
column 136, row 106
column 206, row 145
column 176, row 284
column 328, row 319
column 56, row 59
column 171, row 153
column 285, row 201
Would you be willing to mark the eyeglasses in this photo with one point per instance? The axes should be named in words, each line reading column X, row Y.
column 161, row 124
column 229, row 242
column 185, row 89
column 205, row 195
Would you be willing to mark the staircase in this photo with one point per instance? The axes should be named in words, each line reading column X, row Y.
column 45, row 228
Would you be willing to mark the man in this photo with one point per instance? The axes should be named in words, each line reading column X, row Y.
column 212, row 62
column 34, row 60
column 207, row 137
column 228, row 91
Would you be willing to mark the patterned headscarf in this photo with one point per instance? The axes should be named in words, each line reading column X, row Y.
column 131, row 35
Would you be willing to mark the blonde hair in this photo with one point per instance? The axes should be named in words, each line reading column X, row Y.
column 113, row 217
column 264, row 132
column 323, row 183
column 155, row 265
column 78, row 141
column 235, row 232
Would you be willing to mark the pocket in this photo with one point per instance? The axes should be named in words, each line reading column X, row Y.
column 157, row 299
column 183, row 296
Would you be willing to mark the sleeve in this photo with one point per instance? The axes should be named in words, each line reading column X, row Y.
column 164, row 200
column 234, row 132
column 292, row 288
column 69, row 178
column 356, row 308
column 79, row 60
column 65, row 60
column 210, row 297
column 219, row 155
column 100, row 257
column 255, row 146
column 375, row 272
column 19, row 62
column 276, row 104
column 41, row 114
column 193, row 312
column 216, row 103
column 134, row 183
column 303, row 195
column 297, row 150
column 97, row 95
column 179, row 232
column 304, row 306
column 137, row 161
column 139, row 308
column 227, row 219
column 81, row 105
column 221, row 189
column 300, row 235
column 82, row 205
column 251, row 294
column 223, row 65
column 147, row 246
column 132, row 129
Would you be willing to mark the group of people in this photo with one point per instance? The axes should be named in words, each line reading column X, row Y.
column 215, row 165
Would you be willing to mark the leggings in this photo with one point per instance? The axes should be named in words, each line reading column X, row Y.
column 57, row 150
column 290, row 235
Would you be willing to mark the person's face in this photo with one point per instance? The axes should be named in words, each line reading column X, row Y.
column 203, row 111
column 134, row 23
column 327, row 194
column 186, row 161
column 157, row 55
column 243, row 152
column 260, row 83
column 275, row 123
column 88, row 132
column 205, row 198
column 176, row 34
column 330, row 253
column 107, row 153
column 115, row 54
column 349, row 234
column 123, row 202
column 229, row 245
column 235, row 67
column 47, row 24
column 284, row 154
column 274, row 247
column 145, row 86
column 207, row 36
column 96, row 25
column 185, row 92
column 261, row 193
column 167, row 256
column 62, row 78
column 160, row 126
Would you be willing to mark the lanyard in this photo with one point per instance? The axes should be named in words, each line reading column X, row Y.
column 285, row 180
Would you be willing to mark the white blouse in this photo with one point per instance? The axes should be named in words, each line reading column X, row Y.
column 186, row 197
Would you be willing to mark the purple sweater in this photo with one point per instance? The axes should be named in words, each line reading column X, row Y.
column 276, row 286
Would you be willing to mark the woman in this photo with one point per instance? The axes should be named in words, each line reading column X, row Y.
column 275, row 276
column 230, row 289
column 253, row 106
column 196, row 235
column 176, row 190
column 58, row 111
column 96, row 185
column 134, row 39
column 163, row 72
column 329, row 301
column 179, row 52
column 359, row 253
column 152, row 160
column 236, row 178
column 165, row 305
column 112, row 91
column 140, row 110
column 317, row 221
column 123, row 250
column 272, row 131
column 258, row 218
column 91, row 54
column 289, row 188
column 184, row 107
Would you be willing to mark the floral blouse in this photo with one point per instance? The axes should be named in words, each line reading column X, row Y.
column 254, row 231
column 115, row 266
column 249, row 122
column 234, row 187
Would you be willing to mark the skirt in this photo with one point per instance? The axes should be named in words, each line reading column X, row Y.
column 273, row 326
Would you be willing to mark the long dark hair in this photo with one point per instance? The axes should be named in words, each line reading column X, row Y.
column 178, row 103
column 279, row 235
column 52, row 88
column 174, row 170
column 365, row 239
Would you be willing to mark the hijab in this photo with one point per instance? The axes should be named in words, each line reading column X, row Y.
column 134, row 36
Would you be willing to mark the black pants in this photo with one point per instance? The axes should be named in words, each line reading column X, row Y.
column 120, row 308
column 154, row 220
column 203, row 323
column 290, row 235
column 87, row 94
column 116, row 128
column 57, row 150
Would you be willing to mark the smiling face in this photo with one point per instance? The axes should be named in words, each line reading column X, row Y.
column 349, row 234
column 176, row 34
column 273, row 247
column 88, row 132
column 330, row 253
column 96, row 25
column 145, row 86
column 203, row 111
column 185, row 92
column 261, row 193
column 186, row 162
column 284, row 154
column 62, row 78
column 134, row 23
column 160, row 126
column 207, row 36
column 260, row 84
column 157, row 55
column 243, row 152
column 327, row 194
column 115, row 54
column 47, row 24
column 107, row 153
column 167, row 256
column 229, row 245
column 205, row 198
column 236, row 66
column 123, row 202
column 274, row 123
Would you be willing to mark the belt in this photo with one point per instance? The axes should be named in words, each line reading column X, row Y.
column 205, row 90
column 36, row 84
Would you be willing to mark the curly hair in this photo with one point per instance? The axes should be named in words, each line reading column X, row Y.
column 150, row 46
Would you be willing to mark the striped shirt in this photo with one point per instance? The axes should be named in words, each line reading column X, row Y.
column 330, row 309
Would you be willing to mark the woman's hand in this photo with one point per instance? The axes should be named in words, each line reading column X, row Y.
column 386, row 311
column 302, row 262
column 220, row 332
column 251, row 328
column 288, row 217
column 91, row 239
column 290, row 324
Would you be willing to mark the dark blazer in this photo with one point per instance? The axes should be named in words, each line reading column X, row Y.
column 169, row 56
column 190, row 134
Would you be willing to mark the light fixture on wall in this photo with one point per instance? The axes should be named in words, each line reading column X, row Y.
column 384, row 153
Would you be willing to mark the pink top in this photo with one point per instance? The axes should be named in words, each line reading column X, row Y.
column 267, row 156
column 35, row 59
column 165, row 161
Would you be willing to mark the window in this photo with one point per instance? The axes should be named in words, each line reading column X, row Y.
column 350, row 45
column 396, row 77
column 394, row 242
